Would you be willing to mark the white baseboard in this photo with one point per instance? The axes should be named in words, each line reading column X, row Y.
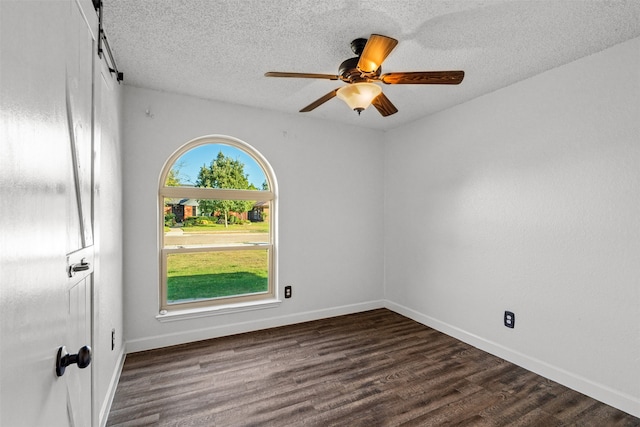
column 622, row 401
column 113, row 385
column 159, row 341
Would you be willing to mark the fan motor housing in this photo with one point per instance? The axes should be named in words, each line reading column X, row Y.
column 349, row 72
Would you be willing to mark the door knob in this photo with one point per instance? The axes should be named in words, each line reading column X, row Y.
column 64, row 359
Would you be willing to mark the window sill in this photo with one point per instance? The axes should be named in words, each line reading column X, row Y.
column 194, row 313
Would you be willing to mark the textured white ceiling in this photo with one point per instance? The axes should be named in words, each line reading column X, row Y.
column 220, row 50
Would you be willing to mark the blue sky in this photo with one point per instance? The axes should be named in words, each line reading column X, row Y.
column 191, row 162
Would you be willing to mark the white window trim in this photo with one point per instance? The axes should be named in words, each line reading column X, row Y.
column 218, row 306
column 216, row 310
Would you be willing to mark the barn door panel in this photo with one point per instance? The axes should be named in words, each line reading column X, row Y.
column 79, row 102
column 80, row 256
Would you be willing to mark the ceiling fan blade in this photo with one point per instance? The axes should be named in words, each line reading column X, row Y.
column 383, row 105
column 302, row 75
column 423, row 78
column 375, row 52
column 318, row 102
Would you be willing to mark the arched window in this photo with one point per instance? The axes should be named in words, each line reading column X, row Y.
column 218, row 226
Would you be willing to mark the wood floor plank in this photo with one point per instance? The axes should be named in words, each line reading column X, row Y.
column 375, row 368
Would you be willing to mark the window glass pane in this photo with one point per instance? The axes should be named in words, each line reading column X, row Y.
column 209, row 222
column 217, row 166
column 206, row 275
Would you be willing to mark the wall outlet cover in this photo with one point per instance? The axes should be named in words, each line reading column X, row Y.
column 509, row 319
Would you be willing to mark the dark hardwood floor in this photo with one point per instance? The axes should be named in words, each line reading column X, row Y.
column 375, row 368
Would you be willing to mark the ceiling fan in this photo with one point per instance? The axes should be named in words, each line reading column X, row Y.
column 363, row 71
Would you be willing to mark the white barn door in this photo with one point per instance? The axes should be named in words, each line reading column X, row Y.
column 46, row 221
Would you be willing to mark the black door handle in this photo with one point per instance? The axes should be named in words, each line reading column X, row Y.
column 64, row 359
column 82, row 266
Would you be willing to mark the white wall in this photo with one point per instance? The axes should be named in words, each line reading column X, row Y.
column 528, row 199
column 330, row 212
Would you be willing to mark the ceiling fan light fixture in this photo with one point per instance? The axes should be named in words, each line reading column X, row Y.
column 359, row 96
column 362, row 71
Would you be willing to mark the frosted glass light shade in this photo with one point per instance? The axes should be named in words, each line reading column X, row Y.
column 359, row 96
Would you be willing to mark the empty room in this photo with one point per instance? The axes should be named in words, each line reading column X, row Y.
column 284, row 213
